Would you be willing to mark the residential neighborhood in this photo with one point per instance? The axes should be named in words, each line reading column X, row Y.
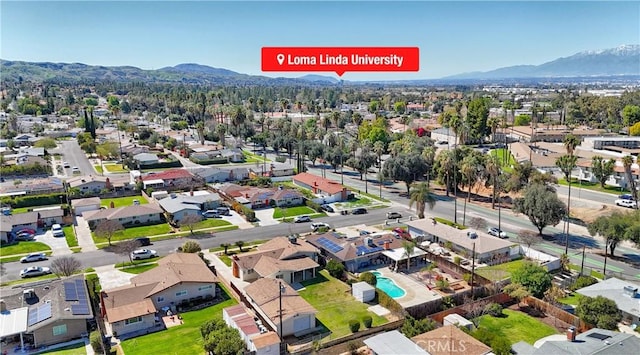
column 169, row 185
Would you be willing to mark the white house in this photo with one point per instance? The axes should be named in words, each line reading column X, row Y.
column 83, row 205
column 127, row 216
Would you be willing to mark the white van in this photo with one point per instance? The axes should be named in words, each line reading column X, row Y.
column 57, row 230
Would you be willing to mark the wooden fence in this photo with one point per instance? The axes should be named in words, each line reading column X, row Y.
column 560, row 314
column 501, row 298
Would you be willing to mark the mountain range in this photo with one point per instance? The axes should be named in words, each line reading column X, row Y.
column 620, row 61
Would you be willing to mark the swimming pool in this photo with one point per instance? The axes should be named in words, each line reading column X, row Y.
column 388, row 286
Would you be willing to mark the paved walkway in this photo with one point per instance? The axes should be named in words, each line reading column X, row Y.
column 58, row 245
column 83, row 234
column 110, row 277
column 224, row 271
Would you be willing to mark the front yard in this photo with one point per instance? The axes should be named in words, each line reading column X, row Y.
column 287, row 212
column 122, row 201
column 23, row 248
column 208, row 223
column 135, row 232
column 70, row 236
column 182, row 339
column 332, row 298
column 115, row 168
column 516, row 326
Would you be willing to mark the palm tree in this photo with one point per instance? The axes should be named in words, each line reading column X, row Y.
column 221, row 130
column 408, row 247
column 200, row 129
column 567, row 163
column 570, row 143
column 357, row 118
column 378, row 148
column 493, row 122
column 627, row 162
column 421, row 195
column 470, row 175
column 429, row 155
column 492, row 168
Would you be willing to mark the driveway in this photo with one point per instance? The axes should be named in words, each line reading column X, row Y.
column 83, row 234
column 110, row 277
column 265, row 217
column 58, row 245
column 237, row 220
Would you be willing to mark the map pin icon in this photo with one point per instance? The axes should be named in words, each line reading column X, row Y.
column 280, row 58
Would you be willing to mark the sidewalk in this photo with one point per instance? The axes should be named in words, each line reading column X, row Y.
column 83, row 234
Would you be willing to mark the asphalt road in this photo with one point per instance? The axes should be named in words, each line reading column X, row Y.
column 70, row 149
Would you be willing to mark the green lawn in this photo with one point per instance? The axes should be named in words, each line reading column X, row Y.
column 226, row 259
column 500, row 271
column 450, row 223
column 134, row 232
column 516, row 326
column 115, row 168
column 23, row 248
column 572, row 299
column 208, row 223
column 122, row 201
column 25, row 209
column 332, row 298
column 252, row 158
column 75, row 349
column 594, row 273
column 502, row 153
column 70, row 236
column 357, row 202
column 182, row 339
column 138, row 269
column 98, row 168
column 292, row 211
column 575, row 184
column 245, row 246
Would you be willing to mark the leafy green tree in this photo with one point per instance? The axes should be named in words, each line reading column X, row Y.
column 541, row 204
column 369, row 278
column 533, row 277
column 630, row 115
column 406, row 168
column 600, row 312
column 635, row 130
column 46, row 143
column 477, row 115
column 190, row 246
column 420, row 195
column 627, row 161
column 617, row 227
column 335, row 268
column 400, row 107
column 522, row 120
column 412, row 327
column 602, row 169
column 225, row 341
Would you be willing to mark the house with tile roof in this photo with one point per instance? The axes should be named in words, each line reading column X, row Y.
column 290, row 259
column 450, row 340
column 171, row 178
column 258, row 197
column 255, row 335
column 178, row 278
column 326, row 190
column 127, row 216
column 275, row 300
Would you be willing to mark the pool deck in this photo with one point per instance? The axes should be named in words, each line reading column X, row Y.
column 415, row 292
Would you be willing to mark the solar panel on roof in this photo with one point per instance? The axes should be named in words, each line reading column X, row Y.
column 329, row 245
column 39, row 314
column 599, row 336
column 70, row 293
column 78, row 309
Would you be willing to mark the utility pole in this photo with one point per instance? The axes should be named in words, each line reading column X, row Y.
column 604, row 271
column 582, row 266
column 341, row 165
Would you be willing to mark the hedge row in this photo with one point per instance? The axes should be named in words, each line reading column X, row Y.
column 32, row 200
column 210, row 161
column 165, row 164
column 387, row 302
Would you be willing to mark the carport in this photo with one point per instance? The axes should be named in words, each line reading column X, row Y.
column 13, row 322
column 399, row 254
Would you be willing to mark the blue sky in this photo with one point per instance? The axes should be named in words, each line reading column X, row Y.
column 454, row 37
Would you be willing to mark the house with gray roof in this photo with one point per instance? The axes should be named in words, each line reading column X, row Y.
column 623, row 293
column 592, row 342
column 128, row 216
column 178, row 206
column 57, row 311
column 211, row 174
column 29, row 220
column 146, row 158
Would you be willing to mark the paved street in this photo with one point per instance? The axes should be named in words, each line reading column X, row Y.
column 70, row 149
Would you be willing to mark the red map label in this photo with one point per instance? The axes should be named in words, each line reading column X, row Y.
column 340, row 59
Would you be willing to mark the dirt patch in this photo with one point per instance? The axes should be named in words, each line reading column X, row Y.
column 588, row 215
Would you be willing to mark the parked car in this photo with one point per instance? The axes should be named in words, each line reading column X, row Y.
column 364, row 232
column 211, row 214
column 223, row 210
column 401, row 233
column 494, row 231
column 143, row 254
column 317, row 225
column 326, row 207
column 33, row 257
column 626, row 203
column 6, row 211
column 626, row 197
column 359, row 210
column 35, row 271
column 57, row 230
column 143, row 241
column 393, row 215
column 24, row 236
column 66, row 164
column 300, row 219
column 75, row 170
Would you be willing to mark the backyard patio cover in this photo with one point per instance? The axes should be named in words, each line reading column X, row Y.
column 14, row 322
column 399, row 254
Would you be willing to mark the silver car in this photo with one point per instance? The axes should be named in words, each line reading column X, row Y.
column 35, row 271
column 143, row 254
column 33, row 257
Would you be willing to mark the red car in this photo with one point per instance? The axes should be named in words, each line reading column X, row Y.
column 401, row 233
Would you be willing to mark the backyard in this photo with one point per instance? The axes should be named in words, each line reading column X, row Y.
column 122, row 201
column 516, row 326
column 134, row 232
column 182, row 339
column 336, row 307
column 500, row 271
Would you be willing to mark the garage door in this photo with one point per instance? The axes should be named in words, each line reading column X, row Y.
column 301, row 323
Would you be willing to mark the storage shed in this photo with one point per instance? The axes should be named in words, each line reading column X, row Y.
column 363, row 292
column 457, row 320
